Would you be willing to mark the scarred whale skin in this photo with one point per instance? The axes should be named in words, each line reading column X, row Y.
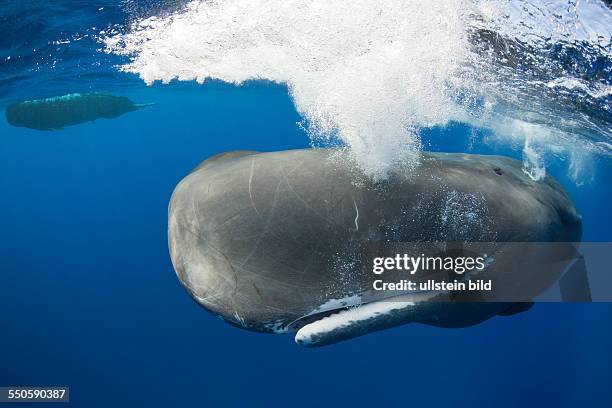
column 58, row 112
column 267, row 240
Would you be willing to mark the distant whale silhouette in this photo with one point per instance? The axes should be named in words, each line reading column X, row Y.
column 60, row 111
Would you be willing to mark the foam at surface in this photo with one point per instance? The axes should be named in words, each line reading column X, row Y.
column 372, row 74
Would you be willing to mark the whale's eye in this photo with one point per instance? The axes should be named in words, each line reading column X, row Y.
column 498, row 171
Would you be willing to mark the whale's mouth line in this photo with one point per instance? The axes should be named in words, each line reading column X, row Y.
column 297, row 324
column 305, row 320
column 412, row 296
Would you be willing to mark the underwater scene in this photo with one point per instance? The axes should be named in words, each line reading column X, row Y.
column 224, row 203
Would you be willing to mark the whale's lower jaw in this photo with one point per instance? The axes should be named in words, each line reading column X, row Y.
column 354, row 322
column 384, row 314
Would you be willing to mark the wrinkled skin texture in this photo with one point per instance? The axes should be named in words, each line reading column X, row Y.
column 263, row 240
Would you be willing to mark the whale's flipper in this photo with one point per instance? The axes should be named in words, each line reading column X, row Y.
column 574, row 284
column 144, row 105
column 517, row 308
column 220, row 157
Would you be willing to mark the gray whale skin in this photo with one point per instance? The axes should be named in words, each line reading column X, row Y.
column 271, row 242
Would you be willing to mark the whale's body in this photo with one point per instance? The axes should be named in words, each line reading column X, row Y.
column 58, row 112
column 274, row 242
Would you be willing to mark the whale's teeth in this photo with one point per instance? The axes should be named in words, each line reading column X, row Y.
column 351, row 323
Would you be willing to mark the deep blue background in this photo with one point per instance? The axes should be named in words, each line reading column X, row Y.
column 89, row 299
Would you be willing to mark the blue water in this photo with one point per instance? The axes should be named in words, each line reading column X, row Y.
column 89, row 298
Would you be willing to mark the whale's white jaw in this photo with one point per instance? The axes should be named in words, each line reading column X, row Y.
column 354, row 322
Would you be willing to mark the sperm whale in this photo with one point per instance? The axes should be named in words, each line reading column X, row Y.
column 58, row 112
column 276, row 242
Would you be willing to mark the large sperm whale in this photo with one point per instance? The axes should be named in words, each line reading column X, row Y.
column 58, row 112
column 279, row 242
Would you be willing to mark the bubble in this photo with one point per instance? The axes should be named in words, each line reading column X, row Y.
column 371, row 75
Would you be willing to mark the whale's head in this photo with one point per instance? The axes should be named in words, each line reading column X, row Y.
column 280, row 242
